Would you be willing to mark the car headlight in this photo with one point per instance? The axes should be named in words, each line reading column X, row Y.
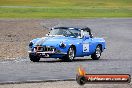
column 62, row 45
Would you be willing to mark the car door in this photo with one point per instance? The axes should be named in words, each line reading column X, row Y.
column 86, row 43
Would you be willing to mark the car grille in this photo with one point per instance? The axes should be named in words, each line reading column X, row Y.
column 44, row 48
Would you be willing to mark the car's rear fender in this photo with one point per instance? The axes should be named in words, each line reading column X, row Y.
column 100, row 42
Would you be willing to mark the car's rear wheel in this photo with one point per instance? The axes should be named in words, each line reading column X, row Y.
column 34, row 57
column 97, row 54
column 70, row 54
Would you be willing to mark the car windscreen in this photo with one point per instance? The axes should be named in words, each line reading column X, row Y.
column 65, row 32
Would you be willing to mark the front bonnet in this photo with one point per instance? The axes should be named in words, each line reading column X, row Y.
column 50, row 41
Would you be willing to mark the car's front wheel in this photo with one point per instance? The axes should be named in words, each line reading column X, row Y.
column 70, row 54
column 96, row 55
column 34, row 57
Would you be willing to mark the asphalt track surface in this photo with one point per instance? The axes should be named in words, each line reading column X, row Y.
column 116, row 59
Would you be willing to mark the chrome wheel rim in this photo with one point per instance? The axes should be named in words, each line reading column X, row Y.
column 71, row 54
column 98, row 52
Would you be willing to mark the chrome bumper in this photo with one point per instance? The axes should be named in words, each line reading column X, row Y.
column 47, row 52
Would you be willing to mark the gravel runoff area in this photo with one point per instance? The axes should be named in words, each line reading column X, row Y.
column 15, row 35
column 64, row 84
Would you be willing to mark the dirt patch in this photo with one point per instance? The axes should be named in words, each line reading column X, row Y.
column 15, row 36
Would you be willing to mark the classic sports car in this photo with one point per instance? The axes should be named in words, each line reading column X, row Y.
column 66, row 43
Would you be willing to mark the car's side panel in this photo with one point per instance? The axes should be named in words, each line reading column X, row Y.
column 79, row 49
column 77, row 42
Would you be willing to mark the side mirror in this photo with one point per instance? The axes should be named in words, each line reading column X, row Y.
column 47, row 35
column 91, row 36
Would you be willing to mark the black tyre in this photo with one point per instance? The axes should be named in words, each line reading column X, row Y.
column 97, row 54
column 70, row 54
column 34, row 57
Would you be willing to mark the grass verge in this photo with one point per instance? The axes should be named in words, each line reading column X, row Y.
column 63, row 12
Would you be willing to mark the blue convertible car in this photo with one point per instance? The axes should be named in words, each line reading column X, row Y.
column 66, row 43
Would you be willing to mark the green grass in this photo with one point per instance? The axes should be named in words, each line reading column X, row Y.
column 65, row 8
column 61, row 3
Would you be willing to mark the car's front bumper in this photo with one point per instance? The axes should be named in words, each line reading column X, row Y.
column 47, row 54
